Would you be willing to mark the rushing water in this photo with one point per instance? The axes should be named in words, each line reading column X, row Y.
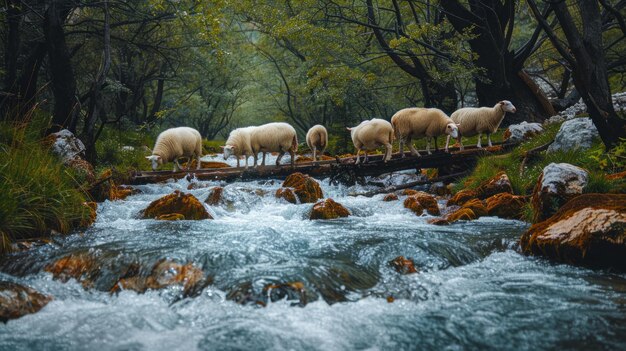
column 473, row 291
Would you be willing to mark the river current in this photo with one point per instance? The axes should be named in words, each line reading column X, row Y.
column 474, row 290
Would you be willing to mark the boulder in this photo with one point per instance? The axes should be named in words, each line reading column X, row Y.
column 577, row 133
column 589, row 229
column 80, row 266
column 287, row 194
column 409, row 192
column 499, row 183
column 428, row 202
column 215, row 196
column 84, row 169
column 329, row 209
column 171, row 217
column 477, row 206
column 17, row 300
column 288, row 291
column 440, row 189
column 177, row 202
column 465, row 214
column 412, row 204
column 505, row 205
column 557, row 184
column 166, row 273
column 390, row 197
column 403, row 265
column 306, row 189
column 462, row 197
column 516, row 133
column 438, row 221
column 67, row 147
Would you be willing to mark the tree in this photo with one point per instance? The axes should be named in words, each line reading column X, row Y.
column 586, row 58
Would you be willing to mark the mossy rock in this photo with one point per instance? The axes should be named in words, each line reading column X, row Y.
column 304, row 187
column 287, row 194
column 82, row 267
column 477, row 206
column 328, row 209
column 462, row 214
column 505, row 205
column 17, row 300
column 412, row 204
column 428, row 202
column 215, row 196
column 403, row 265
column 177, row 202
column 390, row 197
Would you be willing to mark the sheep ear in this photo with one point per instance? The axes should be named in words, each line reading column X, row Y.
column 501, row 102
column 348, row 128
column 148, row 157
column 222, row 146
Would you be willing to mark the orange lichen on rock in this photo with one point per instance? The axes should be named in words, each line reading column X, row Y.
column 505, row 205
column 589, row 229
column 409, row 192
column 287, row 194
column 390, row 197
column 328, row 209
column 215, row 196
column 91, row 218
column 305, row 159
column 499, row 183
column 304, row 187
column 438, row 221
column 119, row 192
column 82, row 267
column 177, row 202
column 171, row 217
column 462, row 197
column 477, row 206
column 412, row 204
column 17, row 300
column 464, row 214
column 428, row 202
column 614, row 176
column 403, row 265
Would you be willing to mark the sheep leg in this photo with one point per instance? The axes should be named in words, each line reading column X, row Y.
column 414, row 152
column 447, row 142
column 479, row 137
column 489, row 139
column 388, row 151
column 358, row 157
column 280, row 157
column 365, row 158
column 401, row 146
column 314, row 153
column 436, row 148
column 256, row 159
column 238, row 162
column 246, row 156
column 293, row 158
column 428, row 145
column 199, row 163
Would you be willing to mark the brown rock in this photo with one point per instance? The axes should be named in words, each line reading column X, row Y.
column 290, row 291
column 462, row 197
column 177, row 202
column 499, row 183
column 464, row 214
column 83, row 167
column 438, row 221
column 287, row 194
column 171, row 217
column 409, row 192
column 412, row 204
column 119, row 192
column 428, row 202
column 17, row 300
column 390, row 197
column 614, row 176
column 305, row 188
column 206, row 164
column 505, row 205
column 82, row 267
column 477, row 207
column 403, row 265
column 557, row 184
column 215, row 196
column 440, row 189
column 329, row 209
column 589, row 229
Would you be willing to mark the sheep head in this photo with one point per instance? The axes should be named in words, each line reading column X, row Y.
column 156, row 160
column 452, row 129
column 228, row 151
column 507, row 106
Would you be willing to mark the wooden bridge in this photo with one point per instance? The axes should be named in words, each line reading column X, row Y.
column 447, row 163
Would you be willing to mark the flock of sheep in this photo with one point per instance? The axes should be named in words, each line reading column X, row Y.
column 406, row 124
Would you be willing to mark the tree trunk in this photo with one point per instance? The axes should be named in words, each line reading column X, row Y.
column 12, row 45
column 158, row 98
column 66, row 104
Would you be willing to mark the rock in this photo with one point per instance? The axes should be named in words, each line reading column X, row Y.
column 120, row 192
column 577, row 133
column 215, row 196
column 477, row 207
column 403, row 265
column 83, row 168
column 304, row 187
column 287, row 194
column 499, row 183
column 171, row 217
column 329, row 209
column 412, row 204
column 438, row 221
column 516, row 133
column 462, row 197
column 289, row 291
column 390, row 197
column 166, row 273
column 91, row 219
column 557, row 184
column 428, row 202
column 17, row 300
column 505, row 205
column 409, row 192
column 177, row 202
column 440, row 189
column 589, row 229
column 568, row 113
column 67, row 147
column 616, row 176
column 81, row 266
column 465, row 214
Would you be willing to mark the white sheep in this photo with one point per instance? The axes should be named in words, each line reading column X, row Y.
column 174, row 143
column 317, row 139
column 371, row 134
column 271, row 137
column 417, row 122
column 479, row 120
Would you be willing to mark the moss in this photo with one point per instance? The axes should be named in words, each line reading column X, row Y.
column 412, row 204
column 329, row 209
column 305, row 188
column 185, row 204
column 464, row 214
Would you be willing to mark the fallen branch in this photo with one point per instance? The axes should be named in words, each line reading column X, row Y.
column 532, row 152
column 393, row 188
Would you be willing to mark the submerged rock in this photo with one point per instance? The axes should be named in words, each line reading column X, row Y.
column 412, row 204
column 440, row 189
column 427, row 201
column 589, row 229
column 557, row 184
column 80, row 266
column 465, row 214
column 403, row 265
column 177, row 202
column 577, row 133
column 215, row 196
column 505, row 205
column 288, row 291
column 171, row 217
column 304, row 187
column 287, row 194
column 516, row 133
column 390, row 197
column 17, row 300
column 329, row 209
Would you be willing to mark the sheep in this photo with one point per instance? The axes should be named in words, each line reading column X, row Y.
column 270, row 137
column 479, row 120
column 238, row 144
column 317, row 138
column 371, row 134
column 419, row 122
column 174, row 143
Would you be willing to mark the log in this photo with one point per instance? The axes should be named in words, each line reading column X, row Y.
column 393, row 188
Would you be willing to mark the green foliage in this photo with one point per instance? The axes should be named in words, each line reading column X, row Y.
column 612, row 161
column 114, row 152
column 38, row 193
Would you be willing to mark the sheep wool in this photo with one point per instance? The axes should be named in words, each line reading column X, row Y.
column 417, row 122
column 370, row 135
column 274, row 137
column 238, row 144
column 317, row 139
column 174, row 143
column 479, row 120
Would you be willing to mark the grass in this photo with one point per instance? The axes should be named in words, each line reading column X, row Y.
column 38, row 193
